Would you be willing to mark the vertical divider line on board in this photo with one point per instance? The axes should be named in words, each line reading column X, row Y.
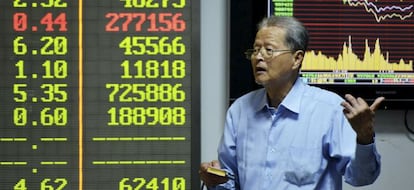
column 80, row 93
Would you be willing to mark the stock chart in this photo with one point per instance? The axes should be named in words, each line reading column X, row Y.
column 355, row 41
column 99, row 94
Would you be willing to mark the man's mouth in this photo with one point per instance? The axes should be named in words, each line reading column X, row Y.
column 260, row 69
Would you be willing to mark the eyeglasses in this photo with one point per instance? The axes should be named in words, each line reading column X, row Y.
column 267, row 53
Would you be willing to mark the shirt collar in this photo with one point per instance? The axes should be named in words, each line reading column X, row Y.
column 292, row 100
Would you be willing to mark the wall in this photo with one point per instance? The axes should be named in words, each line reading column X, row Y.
column 214, row 79
column 393, row 142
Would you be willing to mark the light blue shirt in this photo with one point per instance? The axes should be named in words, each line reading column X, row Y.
column 305, row 143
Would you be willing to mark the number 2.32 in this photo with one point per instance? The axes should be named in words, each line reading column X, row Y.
column 45, row 4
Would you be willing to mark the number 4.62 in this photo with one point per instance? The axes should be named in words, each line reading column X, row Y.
column 45, row 184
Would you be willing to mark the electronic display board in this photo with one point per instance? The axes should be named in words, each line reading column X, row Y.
column 357, row 46
column 99, row 94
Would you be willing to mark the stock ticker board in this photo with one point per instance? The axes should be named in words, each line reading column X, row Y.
column 99, row 94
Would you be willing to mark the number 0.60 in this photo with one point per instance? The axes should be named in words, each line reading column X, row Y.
column 48, row 117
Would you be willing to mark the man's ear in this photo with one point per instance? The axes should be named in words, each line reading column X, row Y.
column 298, row 58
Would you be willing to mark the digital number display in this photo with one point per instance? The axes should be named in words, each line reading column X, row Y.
column 99, row 94
column 355, row 42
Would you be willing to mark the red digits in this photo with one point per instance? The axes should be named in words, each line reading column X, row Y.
column 110, row 26
column 153, row 21
column 170, row 21
column 138, row 25
column 164, row 22
column 59, row 20
column 20, row 22
column 178, row 24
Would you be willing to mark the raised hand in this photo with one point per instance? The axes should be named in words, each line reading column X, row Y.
column 361, row 117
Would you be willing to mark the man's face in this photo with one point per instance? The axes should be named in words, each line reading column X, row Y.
column 273, row 67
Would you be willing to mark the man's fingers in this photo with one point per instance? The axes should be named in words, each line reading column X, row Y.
column 376, row 103
column 346, row 105
column 215, row 164
column 349, row 105
column 362, row 102
column 352, row 100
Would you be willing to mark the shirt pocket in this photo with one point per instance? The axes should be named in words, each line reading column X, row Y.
column 304, row 166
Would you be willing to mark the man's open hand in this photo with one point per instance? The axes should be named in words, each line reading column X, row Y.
column 361, row 117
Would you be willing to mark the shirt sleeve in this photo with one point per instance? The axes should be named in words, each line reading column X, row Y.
column 229, row 185
column 359, row 164
column 227, row 152
column 365, row 167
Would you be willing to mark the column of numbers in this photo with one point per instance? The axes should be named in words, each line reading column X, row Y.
column 151, row 90
column 40, row 90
